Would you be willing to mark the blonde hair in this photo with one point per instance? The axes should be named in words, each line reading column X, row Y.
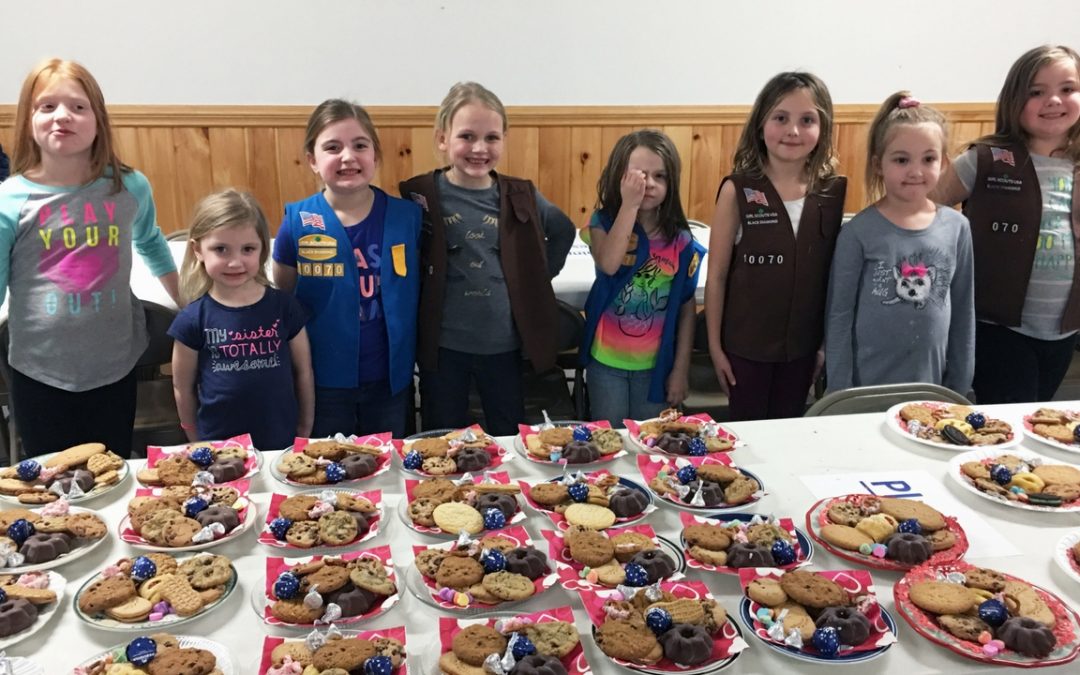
column 228, row 208
column 898, row 109
column 334, row 110
column 1014, row 96
column 27, row 154
column 462, row 94
column 751, row 155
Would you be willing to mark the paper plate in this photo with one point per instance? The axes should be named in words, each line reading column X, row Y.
column 136, row 541
column 382, row 463
column 979, row 454
column 1064, row 558
column 805, row 553
column 519, row 445
column 561, row 523
column 56, row 584
column 894, row 422
column 1029, row 431
column 224, row 659
column 283, row 547
column 94, row 493
column 76, row 553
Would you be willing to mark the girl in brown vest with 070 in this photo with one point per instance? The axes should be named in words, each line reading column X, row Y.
column 776, row 222
column 1019, row 189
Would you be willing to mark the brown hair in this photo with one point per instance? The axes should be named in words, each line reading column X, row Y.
column 462, row 94
column 228, row 208
column 334, row 110
column 751, row 155
column 670, row 214
column 27, row 154
column 1014, row 96
column 898, row 109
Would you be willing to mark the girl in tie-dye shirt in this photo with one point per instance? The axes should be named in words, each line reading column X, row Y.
column 641, row 309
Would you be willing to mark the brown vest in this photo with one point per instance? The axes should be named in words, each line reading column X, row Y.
column 775, row 305
column 524, row 264
column 1005, row 210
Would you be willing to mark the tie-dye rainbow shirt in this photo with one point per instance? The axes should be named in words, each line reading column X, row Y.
column 629, row 332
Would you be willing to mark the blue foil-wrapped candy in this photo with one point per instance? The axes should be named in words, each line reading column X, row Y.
column 827, row 641
column 21, row 530
column 335, row 473
column 658, row 620
column 413, row 460
column 687, row 474
column 783, row 553
column 582, row 433
column 194, row 506
column 698, row 447
column 279, row 527
column 579, row 492
column 3, row 595
column 494, row 519
column 493, row 561
column 636, row 575
column 523, row 647
column 993, row 612
column 286, row 586
column 141, row 651
column 1000, row 474
column 142, row 568
column 28, row 470
column 202, row 455
column 378, row 665
column 977, row 420
column 910, row 526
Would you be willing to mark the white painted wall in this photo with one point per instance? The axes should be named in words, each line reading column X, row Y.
column 534, row 52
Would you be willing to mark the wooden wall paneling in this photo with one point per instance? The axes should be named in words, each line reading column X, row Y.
column 7, row 139
column 683, row 138
column 263, row 168
column 194, row 180
column 705, row 161
column 397, row 154
column 586, row 163
column 521, row 156
column 127, row 146
column 158, row 162
column 229, row 158
column 850, row 141
column 295, row 178
column 962, row 133
column 554, row 161
column 425, row 156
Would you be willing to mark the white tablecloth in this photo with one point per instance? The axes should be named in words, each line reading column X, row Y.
column 778, row 451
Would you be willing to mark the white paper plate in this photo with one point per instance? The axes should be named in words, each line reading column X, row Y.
column 256, row 666
column 224, row 659
column 403, row 514
column 1062, row 555
column 251, row 473
column 286, row 549
column 76, row 553
column 637, row 443
column 1067, row 447
column 353, row 484
column 138, row 542
column 519, row 447
column 94, row 492
column 898, row 426
column 986, row 453
column 21, row 666
column 56, row 584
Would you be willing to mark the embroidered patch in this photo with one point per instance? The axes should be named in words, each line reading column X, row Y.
column 755, row 197
column 397, row 252
column 694, row 261
column 308, row 269
column 314, row 220
column 317, row 247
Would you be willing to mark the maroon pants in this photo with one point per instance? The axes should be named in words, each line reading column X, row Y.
column 769, row 390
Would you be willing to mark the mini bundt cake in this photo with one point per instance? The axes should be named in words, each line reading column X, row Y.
column 674, row 442
column 627, row 503
column 538, row 664
column 226, row 515
column 687, row 644
column 580, row 452
column 749, row 554
column 851, row 625
column 225, row 470
column 472, row 459
column 16, row 614
column 493, row 500
column 1027, row 636
column 908, row 548
column 527, row 561
column 657, row 564
column 712, row 493
column 352, row 600
column 358, row 465
column 43, row 547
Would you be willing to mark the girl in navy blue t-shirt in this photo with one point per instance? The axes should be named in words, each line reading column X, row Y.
column 241, row 362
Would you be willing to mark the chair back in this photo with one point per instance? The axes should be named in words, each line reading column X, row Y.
column 880, row 398
column 571, row 326
column 159, row 350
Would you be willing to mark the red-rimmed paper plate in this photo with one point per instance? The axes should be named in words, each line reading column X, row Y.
column 642, row 437
column 252, row 458
column 245, row 510
column 496, row 453
column 727, row 641
column 660, row 475
column 262, row 596
column 373, row 521
column 575, row 575
column 382, row 460
column 574, row 662
column 527, row 443
column 427, row 589
column 396, row 633
column 804, row 548
column 896, row 423
column 500, row 477
column 1029, row 431
column 591, row 478
column 1066, row 557
column 1067, row 630
column 818, row 516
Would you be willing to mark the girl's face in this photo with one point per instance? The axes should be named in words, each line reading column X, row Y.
column 910, row 166
column 344, row 157
column 231, row 255
column 792, row 128
column 473, row 145
column 1053, row 104
column 651, row 165
column 63, row 124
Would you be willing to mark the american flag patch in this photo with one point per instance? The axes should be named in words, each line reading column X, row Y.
column 312, row 220
column 1003, row 155
column 755, row 197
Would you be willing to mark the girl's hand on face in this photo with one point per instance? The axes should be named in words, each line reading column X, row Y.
column 633, row 188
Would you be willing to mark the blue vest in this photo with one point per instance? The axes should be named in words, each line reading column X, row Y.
column 605, row 288
column 329, row 287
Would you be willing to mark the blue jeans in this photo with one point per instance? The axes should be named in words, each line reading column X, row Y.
column 367, row 409
column 444, row 392
column 616, row 394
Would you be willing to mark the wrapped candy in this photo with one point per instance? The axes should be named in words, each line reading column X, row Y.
column 331, row 613
column 313, row 600
column 548, row 424
column 320, row 509
column 287, row 667
column 203, row 478
column 209, row 533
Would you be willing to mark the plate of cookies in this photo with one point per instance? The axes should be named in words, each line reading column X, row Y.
column 79, row 473
column 1020, row 479
column 727, row 542
column 333, row 461
column 569, row 442
column 886, row 533
column 579, row 493
column 27, row 602
column 466, row 644
column 1054, row 427
column 187, row 517
column 673, row 627
column 678, row 435
column 150, row 592
column 326, row 520
column 164, row 653
column 450, row 452
column 227, row 461
column 949, row 426
column 442, row 507
column 1067, row 555
column 347, row 650
column 347, row 589
column 712, row 483
column 49, row 537
column 816, row 616
column 988, row 616
column 634, row 556
column 471, row 576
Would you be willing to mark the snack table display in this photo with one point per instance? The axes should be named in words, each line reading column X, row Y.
column 795, row 459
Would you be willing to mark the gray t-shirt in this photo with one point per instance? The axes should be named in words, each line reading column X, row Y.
column 476, row 308
column 1052, row 272
column 901, row 306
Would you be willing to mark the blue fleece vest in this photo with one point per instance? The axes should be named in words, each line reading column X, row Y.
column 329, row 286
column 683, row 287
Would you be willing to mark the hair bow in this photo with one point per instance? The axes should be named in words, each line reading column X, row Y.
column 909, row 270
column 908, row 102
